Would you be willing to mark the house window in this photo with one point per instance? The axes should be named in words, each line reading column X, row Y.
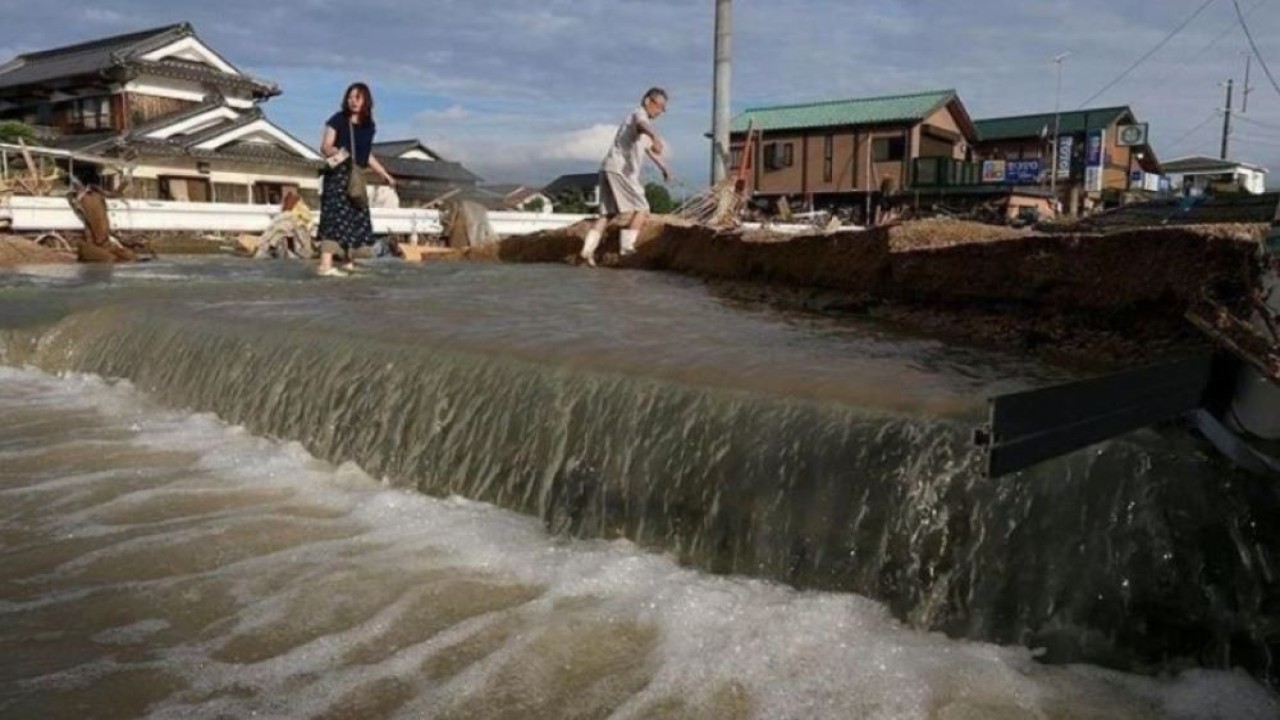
column 90, row 114
column 231, row 192
column 144, row 189
column 735, row 158
column 888, row 149
column 267, row 193
column 779, row 155
column 184, row 189
column 828, row 157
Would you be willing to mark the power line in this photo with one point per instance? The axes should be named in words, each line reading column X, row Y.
column 1181, row 138
column 1251, row 121
column 1256, row 141
column 1245, row 26
column 1232, row 25
column 1172, row 34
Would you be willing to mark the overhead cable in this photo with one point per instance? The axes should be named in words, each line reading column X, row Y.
column 1172, row 34
column 1245, row 26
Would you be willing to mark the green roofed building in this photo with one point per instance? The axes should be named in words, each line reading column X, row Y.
column 849, row 152
column 1123, row 161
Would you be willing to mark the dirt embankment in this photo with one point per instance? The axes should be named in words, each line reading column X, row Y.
column 1094, row 298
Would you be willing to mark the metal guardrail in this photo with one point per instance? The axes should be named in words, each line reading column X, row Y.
column 41, row 214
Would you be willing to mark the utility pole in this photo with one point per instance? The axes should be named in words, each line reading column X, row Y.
column 1226, row 122
column 1057, row 103
column 1244, row 92
column 720, row 102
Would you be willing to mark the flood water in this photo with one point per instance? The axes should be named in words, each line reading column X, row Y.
column 473, row 491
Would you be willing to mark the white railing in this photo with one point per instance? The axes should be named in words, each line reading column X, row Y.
column 40, row 214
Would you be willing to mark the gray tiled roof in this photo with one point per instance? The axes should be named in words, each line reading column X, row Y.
column 426, row 169
column 503, row 189
column 87, row 57
column 253, row 152
column 122, row 52
column 246, row 116
column 197, row 72
column 578, row 181
column 396, row 148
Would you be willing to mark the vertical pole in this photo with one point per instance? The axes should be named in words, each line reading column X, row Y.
column 1226, row 122
column 720, row 102
column 1057, row 104
column 1244, row 92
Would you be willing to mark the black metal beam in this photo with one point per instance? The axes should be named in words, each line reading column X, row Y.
column 1028, row 427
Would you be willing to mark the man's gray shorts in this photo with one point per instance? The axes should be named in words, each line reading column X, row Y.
column 621, row 194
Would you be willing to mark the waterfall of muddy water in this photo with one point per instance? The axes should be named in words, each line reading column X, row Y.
column 719, row 511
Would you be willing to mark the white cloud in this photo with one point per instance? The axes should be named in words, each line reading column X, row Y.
column 453, row 113
column 103, row 17
column 586, row 145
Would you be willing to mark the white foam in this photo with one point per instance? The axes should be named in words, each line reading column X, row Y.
column 795, row 654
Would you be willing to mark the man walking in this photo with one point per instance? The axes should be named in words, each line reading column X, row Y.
column 620, row 188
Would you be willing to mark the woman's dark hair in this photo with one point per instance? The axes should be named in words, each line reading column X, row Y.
column 366, row 113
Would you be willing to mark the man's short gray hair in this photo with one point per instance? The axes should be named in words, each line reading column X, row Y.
column 654, row 92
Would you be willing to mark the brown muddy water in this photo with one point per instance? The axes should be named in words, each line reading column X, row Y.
column 232, row 490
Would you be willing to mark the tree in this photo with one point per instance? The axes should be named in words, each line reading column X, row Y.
column 12, row 130
column 571, row 200
column 659, row 198
column 535, row 205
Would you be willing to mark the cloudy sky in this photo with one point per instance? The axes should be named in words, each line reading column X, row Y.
column 523, row 91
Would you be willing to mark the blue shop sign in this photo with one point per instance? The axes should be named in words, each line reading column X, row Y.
column 1022, row 172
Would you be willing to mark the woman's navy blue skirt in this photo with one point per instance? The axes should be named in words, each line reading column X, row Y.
column 341, row 220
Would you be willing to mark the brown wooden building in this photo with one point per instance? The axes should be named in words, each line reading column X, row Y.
column 848, row 153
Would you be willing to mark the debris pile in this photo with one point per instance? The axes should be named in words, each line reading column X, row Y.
column 17, row 250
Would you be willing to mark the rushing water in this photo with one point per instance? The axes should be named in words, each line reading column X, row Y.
column 155, row 560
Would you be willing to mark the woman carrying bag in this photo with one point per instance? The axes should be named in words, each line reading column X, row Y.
column 347, row 147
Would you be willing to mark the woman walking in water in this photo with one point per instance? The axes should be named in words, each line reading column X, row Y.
column 347, row 145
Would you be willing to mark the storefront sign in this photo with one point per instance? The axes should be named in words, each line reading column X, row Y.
column 1094, row 156
column 1022, row 172
column 1016, row 172
column 1065, row 144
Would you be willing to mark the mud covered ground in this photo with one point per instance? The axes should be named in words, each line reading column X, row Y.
column 19, row 250
column 1095, row 299
column 1089, row 299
